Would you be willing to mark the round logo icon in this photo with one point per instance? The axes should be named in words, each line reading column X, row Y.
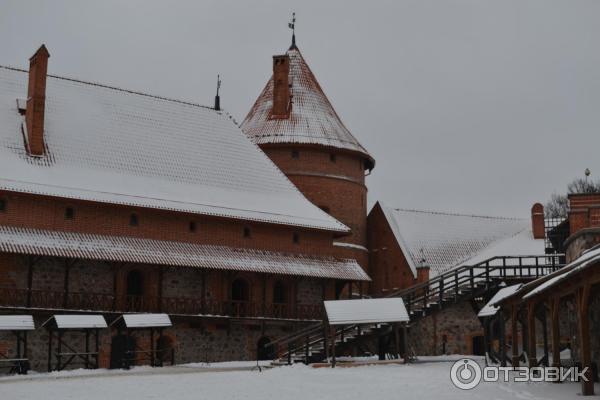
column 465, row 374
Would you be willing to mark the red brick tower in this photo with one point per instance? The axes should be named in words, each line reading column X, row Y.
column 294, row 123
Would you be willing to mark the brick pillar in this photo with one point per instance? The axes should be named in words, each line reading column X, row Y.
column 36, row 101
column 281, row 86
column 537, row 221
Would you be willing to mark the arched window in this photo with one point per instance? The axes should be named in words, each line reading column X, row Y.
column 240, row 290
column 279, row 294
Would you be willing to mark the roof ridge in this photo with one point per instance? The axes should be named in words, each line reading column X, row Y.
column 456, row 214
column 189, row 103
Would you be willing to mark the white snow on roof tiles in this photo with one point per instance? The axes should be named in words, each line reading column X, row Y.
column 160, row 252
column 447, row 240
column 490, row 309
column 83, row 321
column 366, row 311
column 111, row 145
column 312, row 120
column 146, row 320
column 16, row 323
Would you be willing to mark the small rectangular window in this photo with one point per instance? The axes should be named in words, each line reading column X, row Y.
column 296, row 237
column 2, row 205
column 133, row 220
column 295, row 154
column 69, row 213
column 192, row 226
column 332, row 158
column 246, row 232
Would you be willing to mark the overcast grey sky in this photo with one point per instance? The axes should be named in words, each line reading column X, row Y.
column 467, row 105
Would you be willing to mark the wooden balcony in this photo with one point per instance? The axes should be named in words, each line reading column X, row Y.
column 55, row 300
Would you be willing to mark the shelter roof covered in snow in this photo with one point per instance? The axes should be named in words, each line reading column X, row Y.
column 312, row 119
column 146, row 320
column 111, row 145
column 490, row 309
column 16, row 323
column 79, row 321
column 366, row 311
column 443, row 241
column 161, row 252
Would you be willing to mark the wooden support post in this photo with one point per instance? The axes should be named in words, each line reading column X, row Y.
column 325, row 342
column 87, row 348
column 50, row 334
column 532, row 342
column 333, row 361
column 152, row 355
column 97, row 338
column 502, row 344
column 405, row 343
column 306, row 349
column 555, row 331
column 264, row 296
column 545, row 336
column 397, row 339
column 487, row 322
column 515, row 335
column 59, row 350
column 585, row 354
column 161, row 275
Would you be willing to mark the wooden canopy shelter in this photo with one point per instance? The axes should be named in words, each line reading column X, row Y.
column 129, row 325
column 87, row 325
column 358, row 312
column 18, row 325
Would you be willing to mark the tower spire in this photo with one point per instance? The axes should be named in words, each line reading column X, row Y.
column 217, row 97
column 292, row 26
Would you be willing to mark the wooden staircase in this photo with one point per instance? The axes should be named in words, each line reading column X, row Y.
column 465, row 283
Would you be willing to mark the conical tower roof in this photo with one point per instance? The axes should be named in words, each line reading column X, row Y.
column 312, row 119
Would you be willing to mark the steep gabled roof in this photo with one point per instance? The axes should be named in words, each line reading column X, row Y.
column 111, row 145
column 445, row 240
column 312, row 120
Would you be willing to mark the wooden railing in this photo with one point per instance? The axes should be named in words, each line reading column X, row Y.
column 85, row 301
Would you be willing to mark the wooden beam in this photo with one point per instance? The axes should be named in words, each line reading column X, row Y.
column 515, row 335
column 532, row 342
column 582, row 295
column 555, row 331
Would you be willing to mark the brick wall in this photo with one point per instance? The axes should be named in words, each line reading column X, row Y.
column 330, row 178
column 388, row 266
column 49, row 213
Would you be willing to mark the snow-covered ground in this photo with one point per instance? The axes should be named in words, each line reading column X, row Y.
column 424, row 380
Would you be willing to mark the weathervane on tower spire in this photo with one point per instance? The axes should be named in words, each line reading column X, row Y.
column 292, row 26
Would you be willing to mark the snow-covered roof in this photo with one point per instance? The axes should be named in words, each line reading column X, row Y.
column 591, row 258
column 111, row 145
column 146, row 320
column 490, row 309
column 16, row 323
column 312, row 119
column 366, row 311
column 443, row 241
column 160, row 252
column 83, row 321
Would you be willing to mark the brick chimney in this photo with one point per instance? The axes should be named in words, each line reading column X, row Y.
column 281, row 87
column 537, row 221
column 36, row 101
